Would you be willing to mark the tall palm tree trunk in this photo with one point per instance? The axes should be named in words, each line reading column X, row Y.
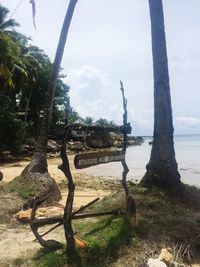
column 39, row 161
column 36, row 173
column 162, row 169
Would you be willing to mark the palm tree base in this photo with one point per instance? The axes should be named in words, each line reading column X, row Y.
column 162, row 178
column 39, row 185
column 38, row 164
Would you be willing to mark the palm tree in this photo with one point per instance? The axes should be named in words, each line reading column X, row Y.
column 38, row 164
column 11, row 62
column 6, row 25
column 162, row 169
column 14, row 60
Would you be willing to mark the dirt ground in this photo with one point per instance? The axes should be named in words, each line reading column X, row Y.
column 16, row 239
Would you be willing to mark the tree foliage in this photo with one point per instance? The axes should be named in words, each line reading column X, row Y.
column 24, row 76
column 104, row 122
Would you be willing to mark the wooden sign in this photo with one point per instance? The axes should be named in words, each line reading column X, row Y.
column 86, row 160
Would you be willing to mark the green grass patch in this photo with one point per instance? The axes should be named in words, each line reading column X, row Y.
column 45, row 258
column 138, row 189
column 25, row 188
column 19, row 262
column 104, row 238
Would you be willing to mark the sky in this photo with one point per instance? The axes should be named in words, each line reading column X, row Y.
column 110, row 41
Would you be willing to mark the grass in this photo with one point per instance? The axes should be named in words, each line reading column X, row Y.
column 166, row 219
column 104, row 238
column 19, row 262
column 25, row 188
column 49, row 259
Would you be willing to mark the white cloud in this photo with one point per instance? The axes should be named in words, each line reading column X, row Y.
column 187, row 125
column 87, row 84
column 93, row 93
column 187, row 122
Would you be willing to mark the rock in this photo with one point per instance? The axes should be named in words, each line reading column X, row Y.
column 80, row 243
column 52, row 146
column 118, row 144
column 99, row 140
column 1, row 176
column 24, row 215
column 156, row 263
column 47, row 212
column 77, row 146
column 135, row 140
column 164, row 260
column 165, row 255
column 50, row 212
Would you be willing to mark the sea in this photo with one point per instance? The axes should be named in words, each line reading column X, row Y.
column 187, row 149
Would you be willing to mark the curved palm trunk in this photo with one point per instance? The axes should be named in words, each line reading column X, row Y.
column 39, row 161
column 162, row 169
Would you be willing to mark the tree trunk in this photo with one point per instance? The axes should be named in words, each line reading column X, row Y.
column 38, row 163
column 162, row 169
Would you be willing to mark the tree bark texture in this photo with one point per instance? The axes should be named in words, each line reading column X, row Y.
column 67, row 219
column 124, row 164
column 162, row 169
column 39, row 161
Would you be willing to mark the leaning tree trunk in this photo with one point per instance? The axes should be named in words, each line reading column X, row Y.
column 38, row 162
column 162, row 169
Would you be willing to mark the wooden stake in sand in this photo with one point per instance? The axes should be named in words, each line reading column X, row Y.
column 130, row 201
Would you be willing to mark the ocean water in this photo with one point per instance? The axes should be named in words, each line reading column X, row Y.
column 187, row 149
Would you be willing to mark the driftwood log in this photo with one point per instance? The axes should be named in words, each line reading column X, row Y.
column 67, row 219
column 130, row 201
column 124, row 164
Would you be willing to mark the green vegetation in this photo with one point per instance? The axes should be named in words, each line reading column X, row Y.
column 49, row 259
column 104, row 122
column 104, row 238
column 24, row 75
column 25, row 188
column 19, row 262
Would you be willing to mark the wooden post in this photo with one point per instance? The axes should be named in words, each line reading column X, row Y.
column 67, row 219
column 125, row 123
column 130, row 201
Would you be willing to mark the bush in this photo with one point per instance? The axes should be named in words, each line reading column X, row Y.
column 11, row 129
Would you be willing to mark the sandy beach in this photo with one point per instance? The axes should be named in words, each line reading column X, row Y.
column 17, row 240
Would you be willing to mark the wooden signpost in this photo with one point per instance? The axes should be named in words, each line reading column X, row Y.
column 82, row 161
column 86, row 160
